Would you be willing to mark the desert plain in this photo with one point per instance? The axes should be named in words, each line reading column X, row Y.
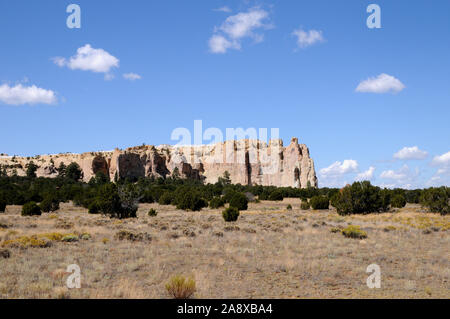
column 270, row 252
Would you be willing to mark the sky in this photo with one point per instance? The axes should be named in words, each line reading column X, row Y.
column 370, row 103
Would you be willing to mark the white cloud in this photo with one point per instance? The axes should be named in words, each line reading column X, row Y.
column 308, row 38
column 367, row 175
column 386, row 185
column 391, row 174
column 131, row 76
column 59, row 61
column 223, row 9
column 109, row 76
column 244, row 23
column 336, row 175
column 89, row 59
column 219, row 44
column 19, row 95
column 442, row 175
column 410, row 153
column 443, row 159
column 403, row 177
column 237, row 27
column 383, row 83
column 340, row 168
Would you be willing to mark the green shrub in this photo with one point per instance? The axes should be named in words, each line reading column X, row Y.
column 108, row 200
column 166, row 198
column 276, row 195
column 413, row 196
column 190, row 200
column 147, row 197
column 436, row 200
column 132, row 236
column 2, row 206
column 126, row 212
column 152, row 212
column 319, row 202
column 239, row 201
column 385, row 200
column 354, row 231
column 49, row 204
column 31, row 170
column 181, row 288
column 70, row 238
column 73, row 172
column 117, row 203
column 305, row 205
column 217, row 202
column 129, row 200
column 289, row 207
column 230, row 214
column 398, row 201
column 93, row 208
column 228, row 195
column 361, row 198
column 61, row 170
column 99, row 178
column 264, row 195
column 46, row 205
column 85, row 236
column 31, row 209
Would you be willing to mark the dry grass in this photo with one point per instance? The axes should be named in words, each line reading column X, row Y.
column 181, row 288
column 270, row 252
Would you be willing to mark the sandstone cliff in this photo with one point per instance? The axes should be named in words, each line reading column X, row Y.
column 249, row 162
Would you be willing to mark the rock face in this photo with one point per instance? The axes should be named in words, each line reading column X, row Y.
column 249, row 162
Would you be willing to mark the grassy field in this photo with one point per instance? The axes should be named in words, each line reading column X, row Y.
column 270, row 252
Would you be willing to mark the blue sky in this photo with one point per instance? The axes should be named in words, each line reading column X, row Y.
column 136, row 70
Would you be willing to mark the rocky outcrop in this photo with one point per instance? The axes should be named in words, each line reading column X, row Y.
column 249, row 162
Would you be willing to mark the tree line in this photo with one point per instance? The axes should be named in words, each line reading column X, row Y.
column 120, row 198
